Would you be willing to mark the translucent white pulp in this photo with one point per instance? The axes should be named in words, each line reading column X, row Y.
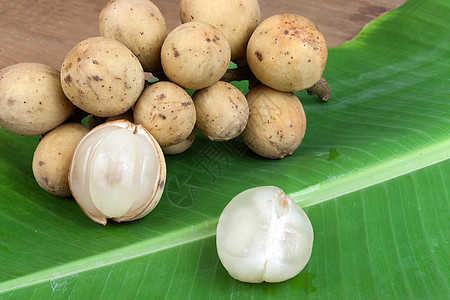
column 263, row 235
column 118, row 172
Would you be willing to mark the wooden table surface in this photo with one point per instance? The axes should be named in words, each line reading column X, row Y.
column 44, row 31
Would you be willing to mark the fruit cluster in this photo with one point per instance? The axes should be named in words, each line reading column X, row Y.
column 115, row 167
column 104, row 78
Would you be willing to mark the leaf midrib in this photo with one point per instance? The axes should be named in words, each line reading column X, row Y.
column 375, row 174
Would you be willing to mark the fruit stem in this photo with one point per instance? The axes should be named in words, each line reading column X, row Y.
column 94, row 121
column 243, row 72
column 160, row 75
column 77, row 116
column 238, row 74
column 320, row 89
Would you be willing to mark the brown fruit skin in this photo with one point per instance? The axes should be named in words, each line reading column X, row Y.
column 276, row 124
column 102, row 77
column 139, row 25
column 237, row 19
column 167, row 112
column 222, row 111
column 52, row 157
column 31, row 99
column 181, row 146
column 287, row 52
column 195, row 55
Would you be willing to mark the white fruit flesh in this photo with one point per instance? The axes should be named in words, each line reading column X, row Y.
column 118, row 172
column 263, row 235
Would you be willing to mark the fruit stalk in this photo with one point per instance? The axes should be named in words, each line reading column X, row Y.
column 320, row 89
column 238, row 74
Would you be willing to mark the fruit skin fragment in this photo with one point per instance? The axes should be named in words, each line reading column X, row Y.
column 263, row 235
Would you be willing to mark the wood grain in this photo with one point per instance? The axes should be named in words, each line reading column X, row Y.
column 44, row 31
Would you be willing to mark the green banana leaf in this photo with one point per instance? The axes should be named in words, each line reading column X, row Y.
column 372, row 174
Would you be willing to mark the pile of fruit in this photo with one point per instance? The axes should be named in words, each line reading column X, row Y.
column 103, row 79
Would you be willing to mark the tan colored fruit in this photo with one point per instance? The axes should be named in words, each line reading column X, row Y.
column 102, row 77
column 195, row 55
column 31, row 99
column 276, row 124
column 51, row 160
column 287, row 52
column 237, row 19
column 167, row 112
column 118, row 172
column 181, row 146
column 222, row 111
column 139, row 25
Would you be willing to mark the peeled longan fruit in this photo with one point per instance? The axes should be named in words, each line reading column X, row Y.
column 222, row 111
column 52, row 157
column 139, row 25
column 118, row 172
column 32, row 101
column 102, row 77
column 263, row 235
column 287, row 52
column 276, row 124
column 237, row 22
column 167, row 112
column 195, row 55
